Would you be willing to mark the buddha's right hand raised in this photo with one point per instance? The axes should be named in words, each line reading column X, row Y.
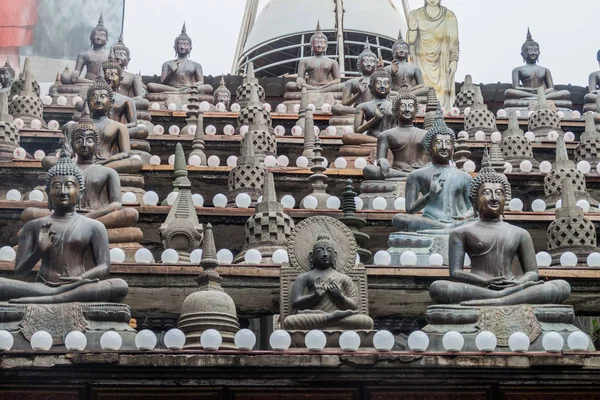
column 413, row 22
column 46, row 238
column 436, row 184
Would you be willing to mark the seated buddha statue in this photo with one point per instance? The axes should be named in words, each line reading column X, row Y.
column 405, row 74
column 405, row 141
column 73, row 250
column 375, row 116
column 492, row 246
column 222, row 94
column 439, row 189
column 7, row 76
column 323, row 298
column 527, row 78
column 178, row 76
column 591, row 98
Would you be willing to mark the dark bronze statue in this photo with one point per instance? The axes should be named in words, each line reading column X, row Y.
column 73, row 250
column 131, row 84
column 324, row 297
column 594, row 87
column 405, row 74
column 7, row 76
column 527, row 78
column 492, row 244
column 91, row 59
column 179, row 75
column 404, row 141
column 440, row 189
column 376, row 116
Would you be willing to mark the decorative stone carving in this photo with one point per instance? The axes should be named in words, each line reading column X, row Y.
column 259, row 121
column 209, row 307
column 544, row 118
column 254, row 108
column 269, row 228
column 308, row 128
column 195, row 125
column 589, row 143
column 9, row 133
column 430, row 109
column 461, row 150
column 480, row 118
column 318, row 179
column 516, row 148
column 7, row 77
column 249, row 174
column 181, row 230
column 222, row 94
column 570, row 231
column 242, row 93
column 28, row 106
column 466, row 96
column 355, row 223
column 496, row 158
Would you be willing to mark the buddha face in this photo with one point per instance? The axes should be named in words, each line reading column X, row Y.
column 382, row 87
column 407, row 111
column 121, row 57
column 100, row 101
column 5, row 78
column 112, row 77
column 183, row 48
column 84, row 145
column 490, row 200
column 442, row 149
column 401, row 51
column 98, row 38
column 368, row 65
column 64, row 192
column 531, row 54
column 222, row 97
column 323, row 256
column 319, row 45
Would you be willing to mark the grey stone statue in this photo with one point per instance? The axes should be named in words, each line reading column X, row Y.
column 406, row 73
column 73, row 250
column 594, row 88
column 91, row 59
column 375, row 116
column 7, row 76
column 492, row 244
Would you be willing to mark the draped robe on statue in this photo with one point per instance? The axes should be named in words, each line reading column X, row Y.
column 436, row 45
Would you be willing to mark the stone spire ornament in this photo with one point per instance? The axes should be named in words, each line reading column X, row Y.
column 209, row 307
column 544, row 118
column 303, row 107
column 480, row 118
column 496, row 158
column 309, row 136
column 258, row 120
column 9, row 133
column 570, row 231
column 242, row 93
column 269, row 228
column 249, row 174
column 28, row 106
column 515, row 146
column 461, row 150
column 222, row 94
column 195, row 125
column 253, row 107
column 466, row 96
column 589, row 143
column 562, row 169
column 355, row 223
column 318, row 179
column 181, row 231
column 430, row 109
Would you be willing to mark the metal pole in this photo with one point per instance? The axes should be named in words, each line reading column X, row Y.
column 339, row 11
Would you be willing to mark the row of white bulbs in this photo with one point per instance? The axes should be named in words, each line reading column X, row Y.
column 315, row 340
column 496, row 137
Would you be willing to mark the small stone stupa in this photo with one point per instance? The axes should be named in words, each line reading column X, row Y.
column 181, row 230
column 355, row 223
column 195, row 125
column 544, row 118
column 430, row 109
column 318, row 179
column 480, row 118
column 261, row 132
column 242, row 94
column 249, row 174
column 589, row 143
column 209, row 307
column 253, row 105
column 9, row 133
column 466, row 96
column 562, row 169
column 571, row 231
column 515, row 146
column 462, row 153
column 309, row 136
column 496, row 158
column 269, row 228
column 28, row 106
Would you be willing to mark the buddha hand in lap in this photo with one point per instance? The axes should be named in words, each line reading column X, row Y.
column 73, row 250
column 492, row 244
column 323, row 298
column 591, row 98
column 179, row 75
column 405, row 74
column 404, row 141
column 528, row 78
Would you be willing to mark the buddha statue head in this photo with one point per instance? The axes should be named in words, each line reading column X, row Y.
column 530, row 50
column 439, row 141
column 7, row 75
column 183, row 43
column 100, row 97
column 113, row 72
column 367, row 60
column 400, row 49
column 84, row 138
column 323, row 254
column 121, row 53
column 597, row 57
column 318, row 41
column 404, row 107
column 64, row 184
column 488, row 192
column 380, row 82
column 222, row 94
column 99, row 34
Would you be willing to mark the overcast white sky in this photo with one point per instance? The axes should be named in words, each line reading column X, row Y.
column 491, row 33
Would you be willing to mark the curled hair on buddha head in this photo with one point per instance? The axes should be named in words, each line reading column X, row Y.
column 111, row 63
column 380, row 72
column 528, row 42
column 317, row 35
column 85, row 124
column 403, row 94
column 399, row 42
column 323, row 240
column 64, row 167
column 121, row 46
column 222, row 88
column 9, row 68
column 99, row 27
column 100, row 84
column 439, row 128
column 365, row 53
column 487, row 174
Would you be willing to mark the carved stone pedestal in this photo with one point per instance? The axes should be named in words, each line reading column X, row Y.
column 93, row 319
column 333, row 339
column 389, row 190
column 343, row 124
column 179, row 99
column 423, row 245
column 532, row 320
column 316, row 98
